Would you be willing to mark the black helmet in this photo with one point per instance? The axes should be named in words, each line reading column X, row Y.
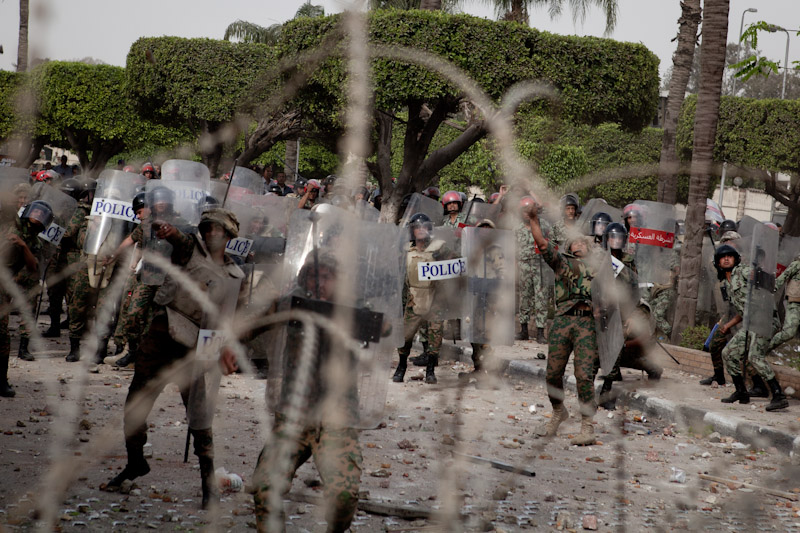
column 210, row 203
column 89, row 186
column 274, row 188
column 417, row 220
column 615, row 229
column 570, row 199
column 39, row 211
column 600, row 222
column 72, row 187
column 726, row 250
column 405, row 201
column 138, row 201
column 159, row 195
column 727, row 225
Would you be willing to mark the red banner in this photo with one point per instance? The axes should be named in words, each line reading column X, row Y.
column 651, row 237
column 780, row 268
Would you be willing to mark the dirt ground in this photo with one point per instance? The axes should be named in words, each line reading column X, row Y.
column 52, row 434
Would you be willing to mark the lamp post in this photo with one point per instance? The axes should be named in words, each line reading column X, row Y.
column 772, row 28
column 738, row 55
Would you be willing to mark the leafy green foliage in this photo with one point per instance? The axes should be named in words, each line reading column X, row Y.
column 695, row 337
column 316, row 161
column 563, row 163
column 753, row 64
column 599, row 80
column 9, row 82
column 761, row 134
column 195, row 79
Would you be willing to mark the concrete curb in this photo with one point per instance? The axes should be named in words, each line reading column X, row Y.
column 685, row 415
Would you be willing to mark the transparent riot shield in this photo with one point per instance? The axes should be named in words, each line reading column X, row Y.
column 761, row 284
column 449, row 274
column 654, row 236
column 10, row 179
column 746, row 226
column 184, row 170
column 365, row 211
column 488, row 316
column 211, row 338
column 63, row 206
column 422, row 204
column 344, row 282
column 168, row 204
column 606, row 300
column 250, row 225
column 592, row 207
column 475, row 212
column 244, row 182
column 276, row 209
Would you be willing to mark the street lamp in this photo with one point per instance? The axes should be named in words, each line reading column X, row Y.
column 738, row 58
column 773, row 28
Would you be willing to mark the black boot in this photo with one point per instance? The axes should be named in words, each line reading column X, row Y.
column 65, row 323
column 74, row 350
column 540, row 338
column 6, row 390
column 130, row 358
column 204, row 450
column 719, row 377
column 420, row 360
column 608, row 401
column 759, row 389
column 54, row 331
column 137, row 466
column 779, row 401
column 23, row 353
column 523, row 333
column 740, row 395
column 400, row 373
column 430, row 376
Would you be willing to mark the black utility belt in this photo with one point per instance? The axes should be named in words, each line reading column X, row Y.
column 579, row 312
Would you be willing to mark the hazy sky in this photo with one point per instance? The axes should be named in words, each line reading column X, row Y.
column 105, row 29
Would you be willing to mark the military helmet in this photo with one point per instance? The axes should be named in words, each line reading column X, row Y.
column 727, row 225
column 600, row 222
column 72, row 187
column 159, row 195
column 138, row 201
column 493, row 197
column 148, row 167
column 432, row 192
column 450, row 197
column 726, row 250
column 39, row 211
column 419, row 220
column 526, row 201
column 617, row 234
column 274, row 188
column 226, row 219
column 570, row 199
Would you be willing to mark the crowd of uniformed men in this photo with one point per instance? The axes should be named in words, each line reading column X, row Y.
column 604, row 280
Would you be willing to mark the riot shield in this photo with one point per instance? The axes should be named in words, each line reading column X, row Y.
column 449, row 274
column 10, row 179
column 168, row 204
column 211, row 338
column 746, row 227
column 111, row 217
column 592, row 207
column 475, row 212
column 63, row 207
column 348, row 271
column 422, row 204
column 761, row 285
column 365, row 211
column 245, row 182
column 277, row 210
column 183, row 170
column 654, row 239
column 249, row 226
column 489, row 302
column 606, row 296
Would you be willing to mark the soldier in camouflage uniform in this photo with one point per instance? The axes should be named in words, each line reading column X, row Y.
column 573, row 329
column 531, row 290
column 791, row 321
column 419, row 296
column 663, row 296
column 17, row 251
column 571, row 209
column 452, row 204
column 744, row 343
column 79, row 291
column 330, row 440
column 28, row 282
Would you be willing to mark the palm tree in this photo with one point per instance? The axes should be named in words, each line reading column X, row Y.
column 248, row 32
column 22, row 48
column 712, row 65
column 681, row 71
column 517, row 10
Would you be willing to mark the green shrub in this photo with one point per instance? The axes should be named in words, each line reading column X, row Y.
column 695, row 337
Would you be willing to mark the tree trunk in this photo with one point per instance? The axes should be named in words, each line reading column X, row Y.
column 268, row 132
column 681, row 69
column 517, row 13
column 712, row 65
column 211, row 145
column 22, row 47
column 101, row 152
column 290, row 159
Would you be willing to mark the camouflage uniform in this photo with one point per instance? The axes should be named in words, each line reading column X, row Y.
column 661, row 298
column 28, row 282
column 78, row 288
column 571, row 330
column 638, row 325
column 136, row 311
column 461, row 218
column 791, row 320
column 333, row 445
column 736, row 350
column 531, row 289
column 14, row 260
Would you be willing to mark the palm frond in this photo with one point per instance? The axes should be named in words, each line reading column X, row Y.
column 247, row 32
